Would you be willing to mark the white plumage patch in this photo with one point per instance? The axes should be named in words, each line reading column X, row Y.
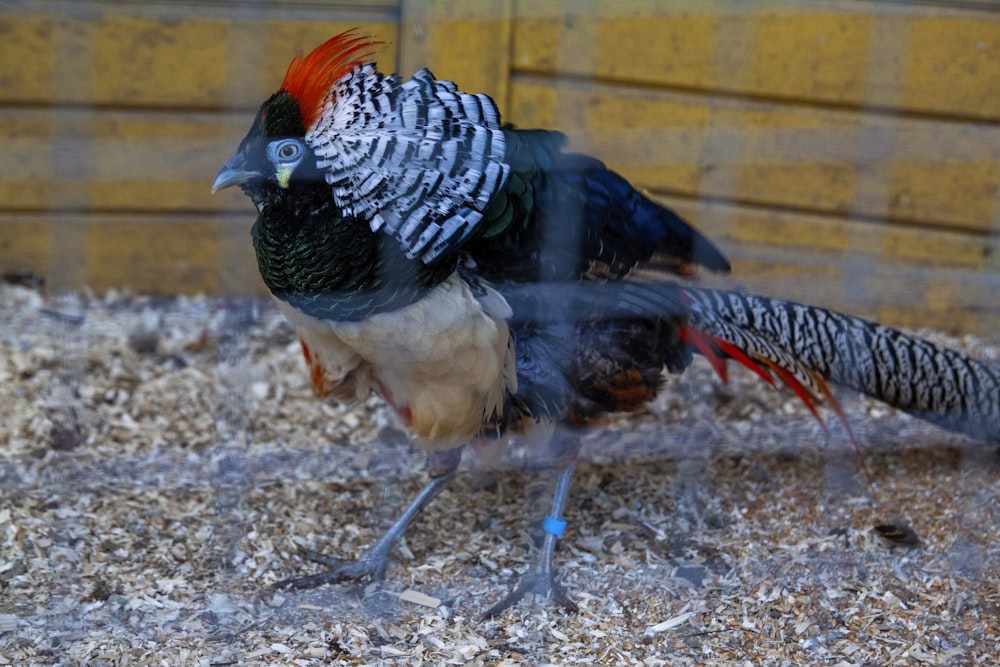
column 444, row 363
column 419, row 159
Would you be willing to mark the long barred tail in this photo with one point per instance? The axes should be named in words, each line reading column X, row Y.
column 811, row 345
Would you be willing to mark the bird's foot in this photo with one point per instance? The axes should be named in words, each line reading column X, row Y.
column 538, row 583
column 371, row 565
column 373, row 562
column 541, row 578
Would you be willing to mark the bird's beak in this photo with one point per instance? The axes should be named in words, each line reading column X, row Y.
column 234, row 172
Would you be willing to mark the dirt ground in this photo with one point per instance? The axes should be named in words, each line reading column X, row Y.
column 163, row 460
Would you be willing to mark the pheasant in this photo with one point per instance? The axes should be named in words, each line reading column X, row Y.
column 478, row 277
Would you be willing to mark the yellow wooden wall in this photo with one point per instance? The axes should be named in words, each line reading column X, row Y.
column 845, row 153
column 115, row 117
column 842, row 152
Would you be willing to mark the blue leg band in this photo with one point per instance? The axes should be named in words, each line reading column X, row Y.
column 554, row 526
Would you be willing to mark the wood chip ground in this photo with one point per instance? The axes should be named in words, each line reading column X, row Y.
column 162, row 461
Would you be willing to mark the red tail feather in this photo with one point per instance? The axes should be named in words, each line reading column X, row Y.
column 707, row 346
column 839, row 411
column 716, row 350
column 793, row 382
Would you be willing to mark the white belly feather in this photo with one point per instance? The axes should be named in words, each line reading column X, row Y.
column 443, row 363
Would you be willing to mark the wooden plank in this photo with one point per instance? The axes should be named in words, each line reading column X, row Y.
column 145, row 135
column 768, row 235
column 901, row 276
column 117, row 55
column 174, row 254
column 192, row 253
column 27, row 59
column 928, row 60
column 954, row 302
column 142, row 161
column 931, row 172
column 156, row 254
column 465, row 42
column 70, row 159
column 952, row 64
column 26, row 244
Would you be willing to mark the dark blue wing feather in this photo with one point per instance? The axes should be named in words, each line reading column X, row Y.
column 563, row 216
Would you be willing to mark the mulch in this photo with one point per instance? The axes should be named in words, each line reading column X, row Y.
column 163, row 461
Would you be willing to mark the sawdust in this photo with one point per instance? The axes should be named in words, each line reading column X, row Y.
column 162, row 461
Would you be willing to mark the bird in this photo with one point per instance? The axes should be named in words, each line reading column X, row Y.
column 487, row 283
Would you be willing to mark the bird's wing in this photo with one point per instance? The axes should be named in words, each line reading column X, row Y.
column 563, row 216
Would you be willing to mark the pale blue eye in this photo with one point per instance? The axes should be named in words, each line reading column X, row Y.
column 285, row 151
column 288, row 152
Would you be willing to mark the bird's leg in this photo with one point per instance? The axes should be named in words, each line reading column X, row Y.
column 373, row 562
column 540, row 579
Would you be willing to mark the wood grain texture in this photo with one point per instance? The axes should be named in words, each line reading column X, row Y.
column 154, row 253
column 842, row 153
column 833, row 148
column 915, row 58
column 118, row 160
column 465, row 42
column 914, row 170
column 120, row 55
column 905, row 276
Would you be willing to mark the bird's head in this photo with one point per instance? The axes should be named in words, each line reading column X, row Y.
column 275, row 151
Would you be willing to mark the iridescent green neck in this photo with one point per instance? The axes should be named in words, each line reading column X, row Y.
column 330, row 266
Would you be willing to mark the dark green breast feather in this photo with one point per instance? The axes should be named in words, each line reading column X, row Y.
column 331, row 266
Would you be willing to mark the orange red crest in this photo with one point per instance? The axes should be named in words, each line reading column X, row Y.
column 309, row 78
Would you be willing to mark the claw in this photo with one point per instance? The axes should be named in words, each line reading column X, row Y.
column 538, row 583
column 373, row 563
column 331, row 562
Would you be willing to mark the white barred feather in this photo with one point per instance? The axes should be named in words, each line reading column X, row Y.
column 419, row 159
column 935, row 383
